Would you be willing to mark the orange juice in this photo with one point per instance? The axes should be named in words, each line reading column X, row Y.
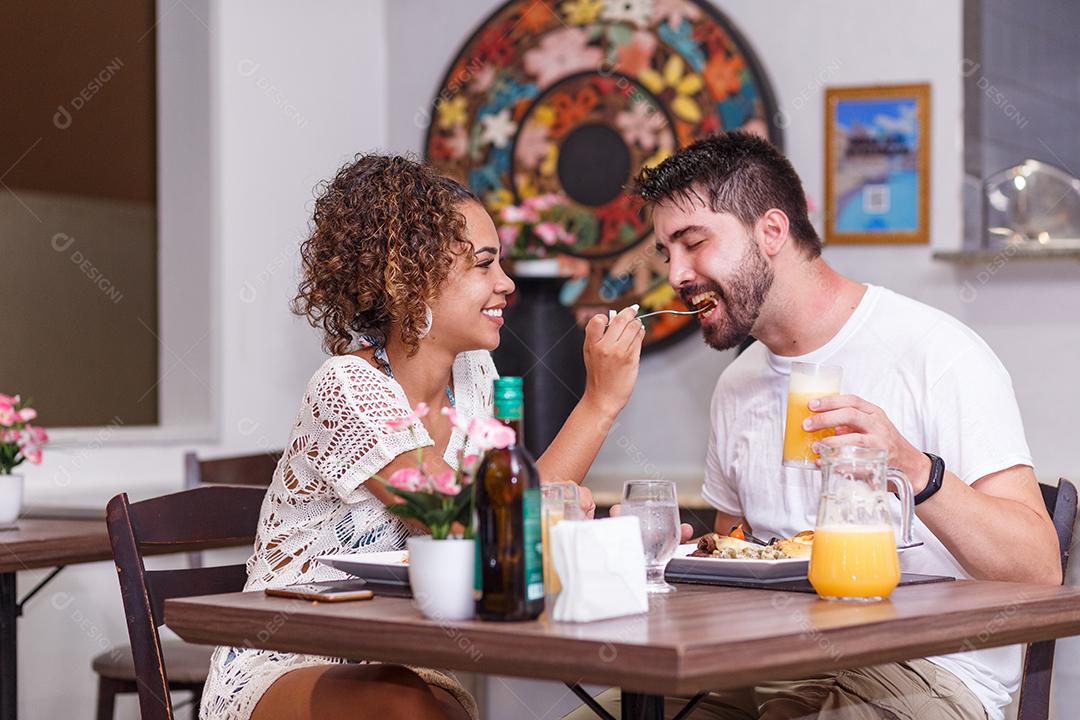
column 549, row 518
column 798, row 443
column 854, row 562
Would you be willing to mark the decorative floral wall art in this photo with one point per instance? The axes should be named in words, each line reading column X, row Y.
column 568, row 101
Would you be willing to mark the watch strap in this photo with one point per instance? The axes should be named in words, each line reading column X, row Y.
column 933, row 484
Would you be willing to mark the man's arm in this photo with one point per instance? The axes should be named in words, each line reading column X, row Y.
column 997, row 528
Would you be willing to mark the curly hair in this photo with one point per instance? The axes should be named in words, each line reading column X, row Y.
column 384, row 233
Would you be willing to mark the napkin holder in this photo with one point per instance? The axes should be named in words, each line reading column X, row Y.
column 601, row 566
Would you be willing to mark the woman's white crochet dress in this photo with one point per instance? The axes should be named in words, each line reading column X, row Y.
column 317, row 505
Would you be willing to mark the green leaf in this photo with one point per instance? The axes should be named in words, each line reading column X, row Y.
column 407, row 511
column 420, row 499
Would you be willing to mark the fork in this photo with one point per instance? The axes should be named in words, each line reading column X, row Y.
column 674, row 312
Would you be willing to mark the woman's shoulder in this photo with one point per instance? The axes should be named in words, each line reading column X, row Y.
column 350, row 372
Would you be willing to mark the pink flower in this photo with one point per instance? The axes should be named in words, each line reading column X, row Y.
column 33, row 454
column 38, row 436
column 674, row 12
column 515, row 214
column 532, row 146
column 9, row 399
column 8, row 416
column 560, row 53
column 456, row 420
column 548, row 232
column 10, row 436
column 489, row 433
column 27, row 414
column 409, row 479
column 446, row 483
column 458, row 142
column 483, row 78
column 508, row 235
column 540, row 203
column 405, row 421
column 640, row 125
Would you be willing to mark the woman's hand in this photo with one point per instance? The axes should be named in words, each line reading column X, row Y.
column 586, row 502
column 612, row 351
column 612, row 354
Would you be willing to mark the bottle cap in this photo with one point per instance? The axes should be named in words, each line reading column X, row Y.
column 509, row 398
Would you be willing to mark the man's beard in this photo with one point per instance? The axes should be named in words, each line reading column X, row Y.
column 742, row 296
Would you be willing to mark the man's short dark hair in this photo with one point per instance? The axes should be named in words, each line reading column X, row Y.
column 741, row 174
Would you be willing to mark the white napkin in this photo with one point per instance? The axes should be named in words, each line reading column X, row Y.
column 601, row 565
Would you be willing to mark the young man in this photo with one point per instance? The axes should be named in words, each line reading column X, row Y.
column 730, row 216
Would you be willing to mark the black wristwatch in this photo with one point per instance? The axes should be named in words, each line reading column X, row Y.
column 937, row 474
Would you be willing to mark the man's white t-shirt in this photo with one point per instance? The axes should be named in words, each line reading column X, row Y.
column 940, row 385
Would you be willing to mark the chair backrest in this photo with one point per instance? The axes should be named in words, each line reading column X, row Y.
column 1039, row 661
column 198, row 519
column 256, row 469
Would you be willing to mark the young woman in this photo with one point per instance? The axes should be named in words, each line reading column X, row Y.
column 401, row 274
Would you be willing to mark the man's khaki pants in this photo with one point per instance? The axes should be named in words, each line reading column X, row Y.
column 912, row 690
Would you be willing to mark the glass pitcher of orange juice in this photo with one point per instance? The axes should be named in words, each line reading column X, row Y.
column 854, row 552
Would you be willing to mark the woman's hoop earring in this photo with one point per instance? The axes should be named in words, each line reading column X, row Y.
column 427, row 321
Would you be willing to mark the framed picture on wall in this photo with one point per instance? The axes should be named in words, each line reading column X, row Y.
column 877, row 164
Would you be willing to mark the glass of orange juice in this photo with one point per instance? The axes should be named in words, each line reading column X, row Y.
column 854, row 552
column 808, row 381
column 559, row 501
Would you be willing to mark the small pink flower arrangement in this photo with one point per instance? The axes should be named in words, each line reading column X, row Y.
column 536, row 227
column 439, row 500
column 19, row 440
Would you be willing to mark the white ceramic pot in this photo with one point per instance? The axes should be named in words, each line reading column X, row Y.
column 441, row 573
column 11, row 493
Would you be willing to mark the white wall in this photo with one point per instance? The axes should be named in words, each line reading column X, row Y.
column 295, row 89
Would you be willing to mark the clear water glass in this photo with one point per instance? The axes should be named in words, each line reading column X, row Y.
column 656, row 506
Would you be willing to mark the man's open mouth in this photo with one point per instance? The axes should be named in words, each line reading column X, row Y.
column 707, row 302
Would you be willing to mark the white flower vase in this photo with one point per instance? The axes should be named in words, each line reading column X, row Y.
column 442, row 573
column 11, row 495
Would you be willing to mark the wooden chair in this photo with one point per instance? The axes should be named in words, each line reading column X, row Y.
column 257, row 469
column 1039, row 660
column 196, row 519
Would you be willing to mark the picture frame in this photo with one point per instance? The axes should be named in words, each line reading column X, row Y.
column 877, row 164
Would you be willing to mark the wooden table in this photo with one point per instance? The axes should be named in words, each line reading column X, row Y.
column 35, row 543
column 685, row 645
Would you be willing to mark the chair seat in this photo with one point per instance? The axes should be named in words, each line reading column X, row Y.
column 184, row 662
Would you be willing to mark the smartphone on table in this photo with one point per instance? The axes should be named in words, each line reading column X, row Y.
column 331, row 591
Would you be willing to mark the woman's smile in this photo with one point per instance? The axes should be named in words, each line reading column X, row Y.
column 494, row 313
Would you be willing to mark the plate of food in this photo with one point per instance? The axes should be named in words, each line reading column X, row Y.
column 741, row 556
column 727, row 556
column 380, row 567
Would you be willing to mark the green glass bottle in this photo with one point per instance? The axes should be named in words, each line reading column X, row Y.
column 508, row 517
